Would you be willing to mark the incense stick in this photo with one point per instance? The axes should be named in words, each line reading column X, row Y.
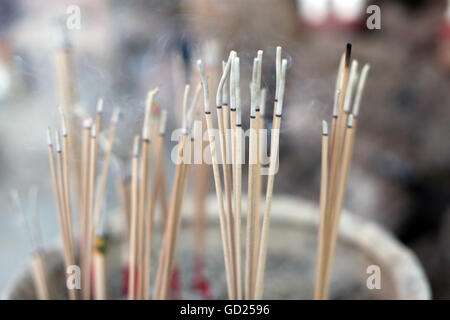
column 323, row 220
column 236, row 123
column 86, row 281
column 133, row 221
column 226, row 170
column 274, row 148
column 217, row 179
column 66, row 186
column 257, row 176
column 84, row 203
column 252, row 155
column 144, row 190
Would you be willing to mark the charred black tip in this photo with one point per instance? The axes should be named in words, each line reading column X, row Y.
column 348, row 53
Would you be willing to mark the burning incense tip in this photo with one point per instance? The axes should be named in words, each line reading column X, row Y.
column 100, row 105
column 348, row 53
column 184, row 111
column 278, row 70
column 324, row 128
column 136, row 146
column 258, row 73
column 225, row 93
column 162, row 122
column 252, row 95
column 148, row 111
column 232, row 86
column 336, row 103
column 205, row 85
column 350, row 121
column 351, row 86
column 223, row 79
column 196, row 94
column 237, row 79
column 282, row 87
column 360, row 89
column 255, row 69
column 87, row 123
column 262, row 107
column 63, row 122
column 60, row 35
column 93, row 132
column 57, row 142
column 49, row 136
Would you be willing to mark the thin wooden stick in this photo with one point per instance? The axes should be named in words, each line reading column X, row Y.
column 337, row 97
column 169, row 234
column 252, row 166
column 226, row 172
column 144, row 191
column 226, row 113
column 236, row 124
column 86, row 282
column 38, row 255
column 84, row 251
column 257, row 176
column 66, row 186
column 274, row 146
column 323, row 220
column 133, row 221
column 217, row 179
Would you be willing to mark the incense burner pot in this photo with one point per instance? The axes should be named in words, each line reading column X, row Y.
column 369, row 262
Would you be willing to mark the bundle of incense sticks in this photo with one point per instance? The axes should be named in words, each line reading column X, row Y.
column 244, row 277
column 229, row 124
column 142, row 198
column 173, row 220
column 336, row 158
column 89, row 205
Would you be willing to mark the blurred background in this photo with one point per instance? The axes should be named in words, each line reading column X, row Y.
column 400, row 175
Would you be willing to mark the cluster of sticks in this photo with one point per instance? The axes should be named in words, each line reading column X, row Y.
column 336, row 159
column 166, row 261
column 92, row 194
column 231, row 147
